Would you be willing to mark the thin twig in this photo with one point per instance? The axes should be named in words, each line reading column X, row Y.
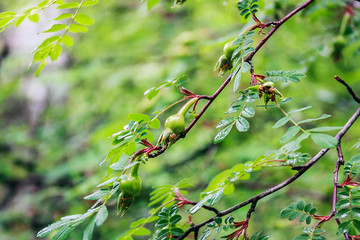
column 352, row 93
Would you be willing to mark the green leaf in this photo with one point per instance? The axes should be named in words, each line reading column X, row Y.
column 20, row 20
column 343, row 203
column 225, row 122
column 75, row 28
column 56, row 225
column 142, row 232
column 222, row 134
column 55, row 28
column 175, row 219
column 121, row 163
column 63, row 16
column 323, row 129
column 84, row 19
column 111, row 180
column 7, row 14
column 248, row 112
column 67, row 40
column 215, row 197
column 88, row 232
column 89, row 3
column 242, row 125
column 151, row 93
column 302, row 237
column 286, row 100
column 34, row 17
column 101, row 216
column 324, row 116
column 324, row 140
column 245, row 67
column 154, row 123
column 40, row 68
column 281, row 122
column 300, row 205
column 342, row 213
column 286, row 212
column 177, row 232
column 138, row 117
column 97, row 195
column 299, row 110
column 234, row 108
column 237, row 80
column 152, row 3
column 55, row 52
column 290, row 133
column 294, row 215
column 68, row 5
column 63, row 232
column 308, row 207
column 199, row 205
column 303, row 217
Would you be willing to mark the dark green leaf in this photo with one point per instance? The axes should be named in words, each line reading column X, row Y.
column 175, row 219
column 342, row 213
column 302, row 237
column 343, row 203
column 294, row 215
column 162, row 223
column 300, row 205
column 177, row 232
column 308, row 207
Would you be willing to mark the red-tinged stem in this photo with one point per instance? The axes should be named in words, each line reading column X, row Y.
column 277, row 26
column 211, row 99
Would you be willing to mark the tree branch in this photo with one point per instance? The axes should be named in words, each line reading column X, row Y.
column 352, row 93
column 276, row 188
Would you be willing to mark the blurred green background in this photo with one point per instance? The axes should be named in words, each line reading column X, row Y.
column 54, row 128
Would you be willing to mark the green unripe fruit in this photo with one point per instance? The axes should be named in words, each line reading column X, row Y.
column 131, row 186
column 229, row 49
column 175, row 123
column 268, row 84
column 339, row 42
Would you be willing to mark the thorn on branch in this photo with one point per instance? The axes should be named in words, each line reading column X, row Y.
column 352, row 93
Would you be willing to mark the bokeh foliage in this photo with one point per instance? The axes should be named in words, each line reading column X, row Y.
column 54, row 128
